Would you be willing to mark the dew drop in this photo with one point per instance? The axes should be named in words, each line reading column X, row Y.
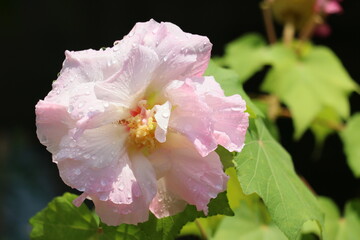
column 70, row 109
column 155, row 31
column 102, row 182
column 72, row 143
column 106, row 104
column 165, row 115
column 81, row 104
column 165, row 59
column 121, row 187
column 125, row 211
column 77, row 171
column 160, row 199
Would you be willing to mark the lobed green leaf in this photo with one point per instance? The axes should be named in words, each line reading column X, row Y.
column 265, row 168
column 307, row 84
column 351, row 140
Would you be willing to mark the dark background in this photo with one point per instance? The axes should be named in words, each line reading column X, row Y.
column 34, row 36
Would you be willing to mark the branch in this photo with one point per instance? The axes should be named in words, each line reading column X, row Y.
column 268, row 21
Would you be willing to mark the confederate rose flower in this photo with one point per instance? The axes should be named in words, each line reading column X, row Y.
column 326, row 7
column 134, row 127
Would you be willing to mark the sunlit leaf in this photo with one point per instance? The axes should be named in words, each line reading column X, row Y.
column 251, row 222
column 324, row 124
column 337, row 227
column 62, row 220
column 246, row 55
column 265, row 168
column 309, row 83
column 351, row 140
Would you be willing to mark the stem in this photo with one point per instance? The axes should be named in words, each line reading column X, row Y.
column 276, row 110
column 308, row 29
column 201, row 229
column 268, row 21
column 289, row 31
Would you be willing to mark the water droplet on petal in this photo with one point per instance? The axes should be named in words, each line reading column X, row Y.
column 165, row 59
column 77, row 171
column 102, row 182
column 81, row 104
column 72, row 143
column 106, row 104
column 70, row 109
column 131, row 34
column 165, row 115
column 160, row 200
column 121, row 187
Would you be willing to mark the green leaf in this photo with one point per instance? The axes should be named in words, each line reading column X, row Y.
column 246, row 55
column 265, row 168
column 62, row 220
column 337, row 227
column 332, row 217
column 350, row 225
column 309, row 83
column 322, row 125
column 351, row 140
column 169, row 227
column 251, row 222
column 229, row 81
column 226, row 157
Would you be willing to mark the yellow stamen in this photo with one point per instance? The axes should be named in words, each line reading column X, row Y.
column 142, row 132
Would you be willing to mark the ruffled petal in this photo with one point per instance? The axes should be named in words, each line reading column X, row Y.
column 162, row 117
column 228, row 113
column 129, row 84
column 191, row 116
column 84, row 67
column 191, row 177
column 53, row 123
column 166, row 203
column 138, row 210
column 96, row 160
column 182, row 54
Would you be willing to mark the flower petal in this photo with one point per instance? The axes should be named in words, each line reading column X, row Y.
column 95, row 161
column 162, row 117
column 127, row 85
column 191, row 177
column 165, row 202
column 53, row 123
column 182, row 54
column 191, row 116
column 138, row 210
column 228, row 113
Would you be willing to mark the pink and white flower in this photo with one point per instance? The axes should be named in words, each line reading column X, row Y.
column 134, row 127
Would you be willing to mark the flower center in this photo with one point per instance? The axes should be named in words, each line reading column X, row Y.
column 141, row 126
